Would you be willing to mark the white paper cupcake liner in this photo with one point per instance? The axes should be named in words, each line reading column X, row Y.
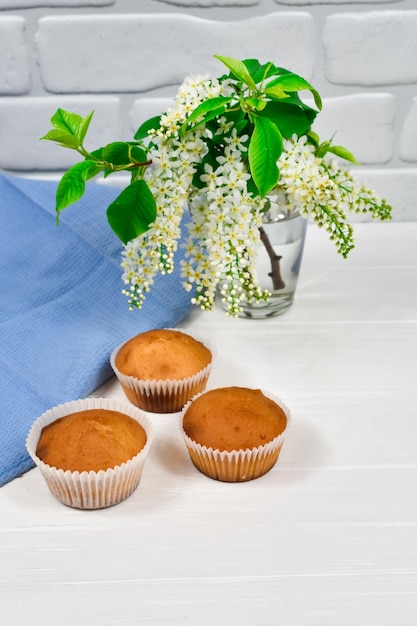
column 236, row 465
column 91, row 490
column 164, row 396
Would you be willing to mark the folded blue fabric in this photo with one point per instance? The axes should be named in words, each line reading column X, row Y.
column 61, row 307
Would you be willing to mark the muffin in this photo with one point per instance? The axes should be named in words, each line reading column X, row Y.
column 234, row 434
column 160, row 370
column 91, row 452
column 90, row 440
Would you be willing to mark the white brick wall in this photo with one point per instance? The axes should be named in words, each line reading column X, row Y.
column 14, row 58
column 124, row 59
column 375, row 48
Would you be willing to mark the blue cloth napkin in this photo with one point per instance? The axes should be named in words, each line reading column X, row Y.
column 61, row 307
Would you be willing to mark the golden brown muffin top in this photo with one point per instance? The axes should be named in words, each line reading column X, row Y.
column 233, row 418
column 162, row 354
column 93, row 439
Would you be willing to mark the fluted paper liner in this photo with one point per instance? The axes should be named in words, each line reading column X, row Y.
column 164, row 396
column 91, row 490
column 236, row 465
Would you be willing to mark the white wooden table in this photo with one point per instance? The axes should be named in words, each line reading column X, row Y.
column 328, row 537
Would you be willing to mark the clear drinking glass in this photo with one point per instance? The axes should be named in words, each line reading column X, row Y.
column 280, row 253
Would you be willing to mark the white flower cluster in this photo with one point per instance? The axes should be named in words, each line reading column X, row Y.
column 319, row 188
column 169, row 179
column 223, row 233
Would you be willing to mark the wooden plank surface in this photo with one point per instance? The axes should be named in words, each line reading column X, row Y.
column 328, row 537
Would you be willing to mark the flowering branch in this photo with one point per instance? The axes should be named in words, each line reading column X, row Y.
column 222, row 149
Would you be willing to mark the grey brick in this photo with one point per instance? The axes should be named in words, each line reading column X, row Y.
column 122, row 53
column 14, row 57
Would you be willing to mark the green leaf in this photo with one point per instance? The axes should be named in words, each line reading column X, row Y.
column 66, row 121
column 293, row 104
column 121, row 153
column 294, row 99
column 236, row 116
column 117, row 153
column 264, row 149
column 293, row 82
column 259, row 72
column 133, row 211
column 256, row 103
column 138, row 154
column 152, row 123
column 69, row 128
column 313, row 137
column 71, row 123
column 289, row 118
column 343, row 153
column 208, row 109
column 205, row 120
column 62, row 138
column 276, row 92
column 84, row 125
column 323, row 148
column 238, row 69
column 71, row 187
column 98, row 154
